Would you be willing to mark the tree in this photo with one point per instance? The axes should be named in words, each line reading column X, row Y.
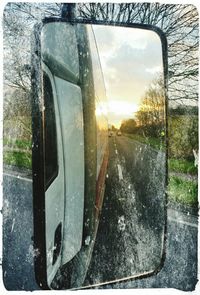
column 18, row 23
column 151, row 115
column 128, row 126
column 113, row 128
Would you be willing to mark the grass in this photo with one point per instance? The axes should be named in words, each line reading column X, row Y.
column 183, row 191
column 19, row 159
column 182, row 166
column 20, row 156
column 18, row 143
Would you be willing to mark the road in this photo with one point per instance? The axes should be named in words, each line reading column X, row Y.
column 130, row 236
column 18, row 253
column 131, row 245
column 130, row 230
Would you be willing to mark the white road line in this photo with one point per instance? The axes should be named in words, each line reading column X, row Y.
column 183, row 222
column 116, row 152
column 18, row 177
column 13, row 224
column 120, row 172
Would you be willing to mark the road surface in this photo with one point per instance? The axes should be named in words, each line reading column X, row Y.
column 18, row 250
column 115, row 249
column 130, row 236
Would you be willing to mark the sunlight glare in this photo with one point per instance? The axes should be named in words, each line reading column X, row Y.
column 122, row 108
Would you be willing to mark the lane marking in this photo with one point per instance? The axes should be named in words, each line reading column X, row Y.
column 18, row 177
column 13, row 224
column 183, row 222
column 120, row 172
column 116, row 152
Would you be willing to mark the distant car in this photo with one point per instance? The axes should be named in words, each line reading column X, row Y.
column 110, row 133
column 119, row 133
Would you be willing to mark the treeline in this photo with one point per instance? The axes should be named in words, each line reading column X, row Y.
column 182, row 134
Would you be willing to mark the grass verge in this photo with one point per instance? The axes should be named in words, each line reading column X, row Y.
column 183, row 191
column 19, row 159
column 182, row 166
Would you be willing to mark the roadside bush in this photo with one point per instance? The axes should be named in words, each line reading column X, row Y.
column 183, row 136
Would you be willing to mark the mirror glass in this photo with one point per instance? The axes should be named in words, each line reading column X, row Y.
column 110, row 189
column 130, row 236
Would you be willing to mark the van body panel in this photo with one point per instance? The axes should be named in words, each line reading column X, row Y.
column 54, row 195
column 64, row 197
column 59, row 50
column 71, row 118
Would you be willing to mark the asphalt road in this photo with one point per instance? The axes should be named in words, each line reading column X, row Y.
column 18, row 253
column 133, row 246
column 130, row 230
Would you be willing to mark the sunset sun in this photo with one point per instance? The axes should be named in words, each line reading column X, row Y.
column 121, row 110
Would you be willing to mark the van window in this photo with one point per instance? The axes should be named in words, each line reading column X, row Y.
column 50, row 136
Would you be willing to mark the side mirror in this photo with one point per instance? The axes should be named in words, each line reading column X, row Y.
column 94, row 206
column 77, row 130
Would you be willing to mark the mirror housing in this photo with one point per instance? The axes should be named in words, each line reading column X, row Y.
column 69, row 66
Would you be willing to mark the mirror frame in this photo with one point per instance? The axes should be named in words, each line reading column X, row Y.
column 38, row 142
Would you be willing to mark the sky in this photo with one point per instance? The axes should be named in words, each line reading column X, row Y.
column 131, row 59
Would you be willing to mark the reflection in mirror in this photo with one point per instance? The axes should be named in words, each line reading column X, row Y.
column 109, row 123
column 131, row 230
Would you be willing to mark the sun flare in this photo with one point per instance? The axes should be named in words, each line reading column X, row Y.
column 119, row 110
column 122, row 108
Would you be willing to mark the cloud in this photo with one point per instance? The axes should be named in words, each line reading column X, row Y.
column 135, row 61
column 131, row 70
column 131, row 59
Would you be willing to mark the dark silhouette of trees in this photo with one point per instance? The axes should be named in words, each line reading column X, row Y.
column 150, row 118
column 128, row 126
